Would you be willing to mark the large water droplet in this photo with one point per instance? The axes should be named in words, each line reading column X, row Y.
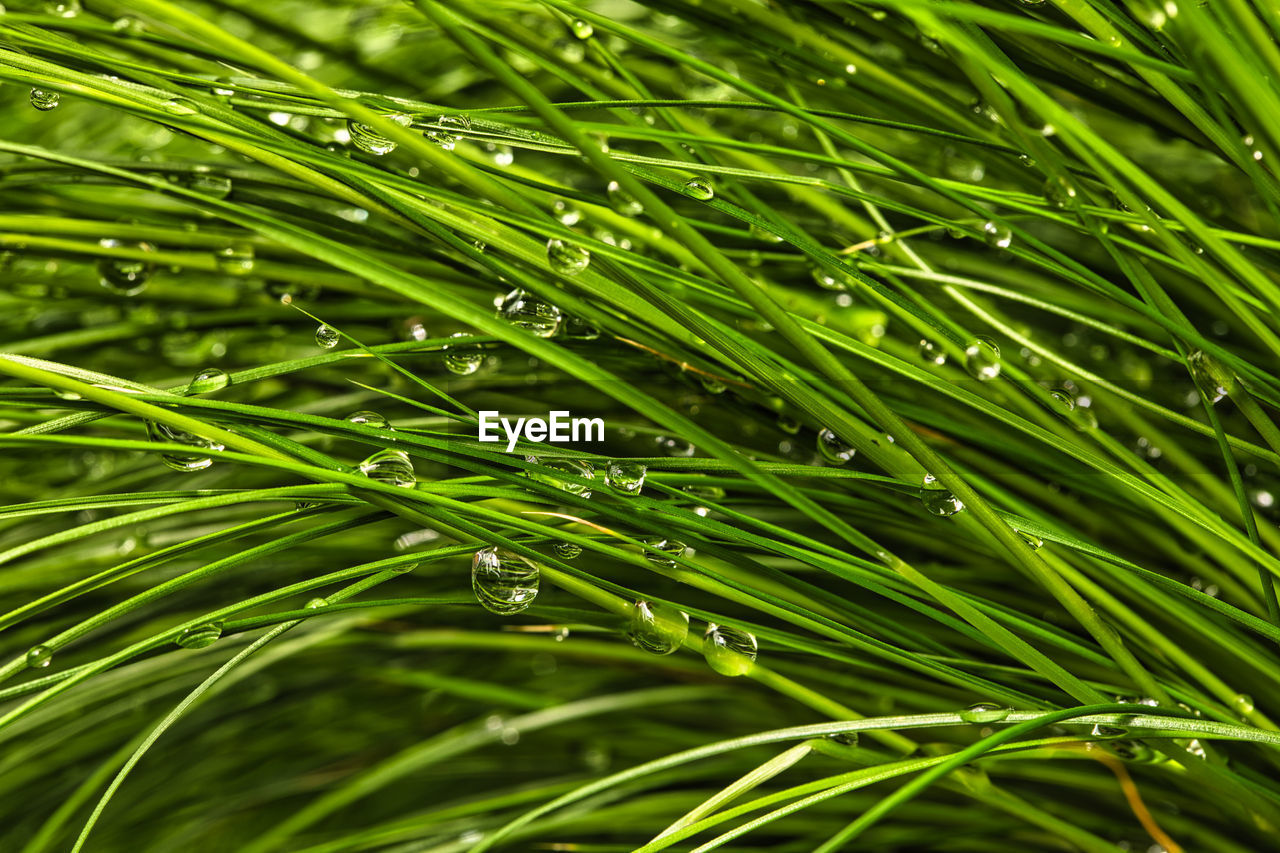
column 236, row 259
column 656, row 627
column 448, row 131
column 462, row 359
column 503, row 581
column 932, row 353
column 1213, row 377
column 208, row 380
column 729, row 651
column 984, row 712
column 44, row 100
column 392, row 467
column 39, row 657
column 996, row 235
column 938, row 499
column 530, row 312
column 700, row 189
column 566, row 258
column 622, row 201
column 566, row 550
column 200, row 636
column 367, row 418
column 625, row 477
column 982, row 358
column 665, row 549
column 369, row 140
column 833, row 449
column 125, row 276
column 573, row 467
column 327, row 337
column 183, row 461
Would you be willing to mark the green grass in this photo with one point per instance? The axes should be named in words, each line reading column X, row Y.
column 1017, row 262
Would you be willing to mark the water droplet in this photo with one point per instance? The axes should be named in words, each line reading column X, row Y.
column 984, row 712
column 462, row 359
column 982, row 358
column 205, row 183
column 1101, row 731
column 317, row 603
column 827, row 281
column 180, row 107
column 573, row 467
column 938, row 499
column 1064, row 398
column 700, row 189
column 996, row 236
column 670, row 445
column 582, row 29
column 657, row 628
column 369, row 140
column 1213, row 377
column 932, row 353
column 665, row 549
column 182, row 461
column 566, row 258
column 208, row 380
column 1060, row 192
column 625, row 477
column 503, row 581
column 39, row 657
column 530, row 312
column 833, row 449
column 392, row 467
column 566, row 550
column 62, row 8
column 577, row 329
column 622, row 201
column 200, row 636
column 1243, row 703
column 1034, row 542
column 327, row 337
column 448, row 131
column 844, row 738
column 125, row 276
column 44, row 100
column 369, row 419
column 236, row 259
column 729, row 651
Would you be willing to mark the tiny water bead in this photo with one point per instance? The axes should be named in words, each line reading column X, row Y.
column 622, row 201
column 582, row 29
column 200, row 636
column 327, row 337
column 996, row 235
column 39, row 657
column 932, row 353
column 982, row 359
column 1064, row 399
column 392, row 467
column 699, row 189
column 827, row 281
column 937, row 499
column 833, row 449
column 1060, row 192
column 729, row 651
column 62, row 8
column 666, row 549
column 125, row 276
column 1034, row 542
column 985, row 712
column 367, row 418
column 180, row 107
column 206, row 183
column 371, row 141
column 1213, row 377
column 670, row 445
column 1243, row 703
column 236, row 259
column 448, row 131
column 566, row 550
column 625, row 477
column 656, row 627
column 44, row 100
column 208, row 380
column 572, row 467
column 1101, row 731
column 530, row 312
column 185, row 462
column 566, row 258
column 577, row 329
column 317, row 603
column 503, row 581
column 462, row 359
column 844, row 738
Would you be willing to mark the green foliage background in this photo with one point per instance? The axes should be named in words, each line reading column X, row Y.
column 1017, row 259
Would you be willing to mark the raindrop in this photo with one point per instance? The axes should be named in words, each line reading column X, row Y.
column 622, row 201
column 996, row 236
column 1242, row 703
column 392, row 467
column 208, row 380
column 982, row 358
column 367, row 418
column 572, row 467
column 317, row 603
column 577, row 329
column 462, row 359
column 566, row 258
column 369, row 140
column 624, row 477
column 665, row 549
column 656, row 627
column 62, row 8
column 937, row 499
column 180, row 107
column 44, row 100
column 582, row 29
column 1060, row 192
column 1101, row 731
column 1034, row 542
column 125, row 276
column 39, row 657
column 833, row 449
column 1064, row 398
column 205, row 183
column 185, row 462
column 503, row 581
column 932, row 353
column 327, row 337
column 729, row 651
column 530, row 312
column 200, row 636
column 670, row 445
column 236, row 259
column 448, row 131
column 700, row 189
column 984, row 712
column 1213, row 377
column 827, row 281
column 566, row 550
column 844, row 738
